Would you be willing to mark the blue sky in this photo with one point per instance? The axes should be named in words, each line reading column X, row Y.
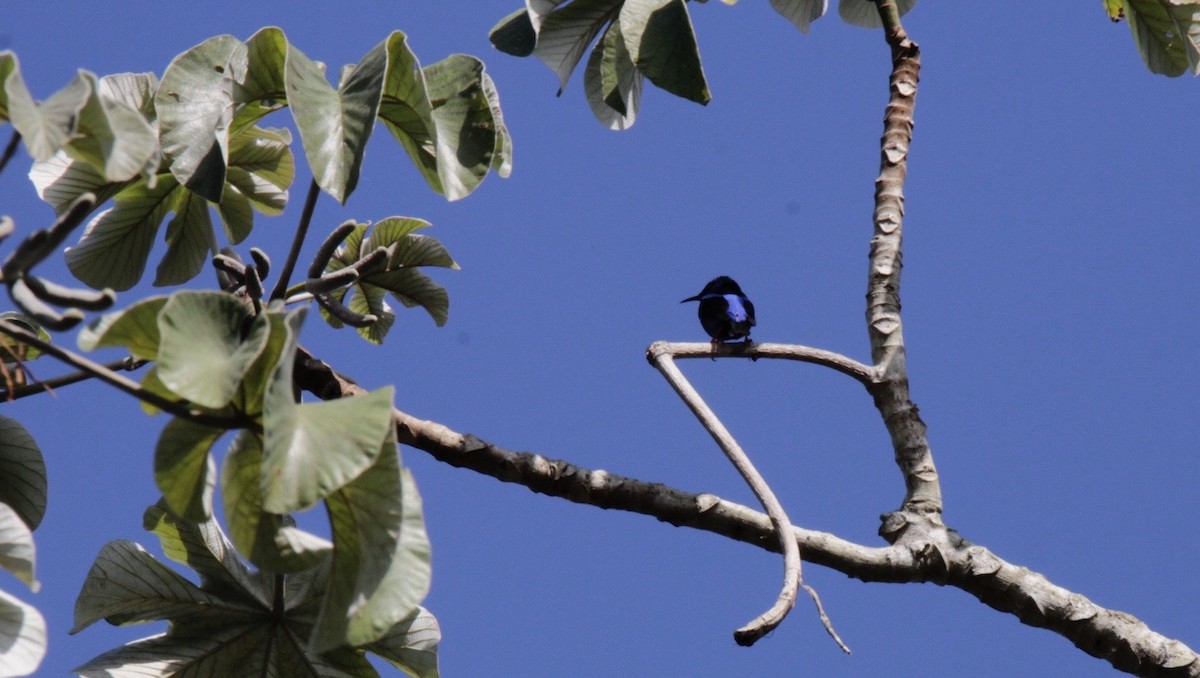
column 1049, row 307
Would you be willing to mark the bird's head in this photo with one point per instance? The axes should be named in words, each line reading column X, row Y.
column 718, row 286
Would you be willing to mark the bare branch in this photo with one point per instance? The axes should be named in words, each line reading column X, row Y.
column 864, row 374
column 765, row 622
column 48, row 385
column 941, row 556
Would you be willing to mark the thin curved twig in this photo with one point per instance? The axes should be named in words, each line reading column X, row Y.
column 48, row 385
column 863, row 374
column 767, row 621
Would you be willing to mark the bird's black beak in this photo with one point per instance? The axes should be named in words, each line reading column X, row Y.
column 695, row 298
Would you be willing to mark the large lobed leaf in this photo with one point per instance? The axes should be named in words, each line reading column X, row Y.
column 22, row 473
column 1167, row 34
column 22, row 637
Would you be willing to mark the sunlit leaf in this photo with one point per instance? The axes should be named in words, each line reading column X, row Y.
column 662, row 43
column 865, row 13
column 114, row 137
column 1167, row 34
column 22, row 472
column 127, row 585
column 269, row 540
column 46, row 126
column 412, row 644
column 204, row 547
column 335, row 124
column 381, row 565
column 202, row 353
column 312, row 449
column 184, row 469
column 803, row 12
column 22, row 637
column 612, row 83
column 115, row 245
column 17, row 554
column 565, row 34
column 195, row 104
column 135, row 328
column 61, row 179
column 263, row 90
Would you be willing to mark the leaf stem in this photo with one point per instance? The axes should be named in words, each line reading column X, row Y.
column 310, row 204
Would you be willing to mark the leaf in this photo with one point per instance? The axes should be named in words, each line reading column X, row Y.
column 113, row 249
column 113, row 136
column 565, row 34
column 863, row 13
column 261, row 168
column 190, row 240
column 335, row 124
column 612, row 83
column 127, row 585
column 313, row 449
column 413, row 288
column 61, row 180
column 184, row 469
column 195, row 104
column 412, row 644
column 662, row 43
column 202, row 355
column 46, row 126
column 256, row 649
column 466, row 127
column 803, row 12
column 503, row 150
column 263, row 90
column 22, row 637
column 1167, row 34
column 268, row 539
column 17, row 552
column 22, row 473
column 203, row 546
column 514, row 34
column 381, row 562
column 135, row 328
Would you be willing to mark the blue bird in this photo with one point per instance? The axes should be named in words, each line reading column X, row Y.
column 725, row 312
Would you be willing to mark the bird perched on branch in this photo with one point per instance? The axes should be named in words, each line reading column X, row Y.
column 725, row 312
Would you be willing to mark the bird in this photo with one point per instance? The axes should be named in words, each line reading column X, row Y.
column 725, row 312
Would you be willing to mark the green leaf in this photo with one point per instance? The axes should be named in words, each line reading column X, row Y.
column 133, row 90
column 46, row 126
column 269, row 540
column 204, row 547
column 202, row 355
column 195, row 104
column 412, row 644
column 381, row 561
column 413, row 288
column 255, row 649
column 565, row 34
column 503, row 150
column 261, row 168
column 258, row 376
column 801, row 13
column 190, row 240
column 22, row 473
column 135, row 328
column 8, row 66
column 113, row 136
column 1167, row 34
column 61, row 180
column 115, row 245
column 612, row 83
column 313, row 449
column 514, row 34
column 662, row 43
column 22, row 635
column 17, row 552
column 335, row 124
column 127, row 585
column 859, row 12
column 263, row 90
column 184, row 469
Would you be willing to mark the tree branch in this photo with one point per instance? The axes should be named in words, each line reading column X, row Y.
column 944, row 558
column 767, row 621
column 923, row 497
column 125, row 365
column 310, row 204
column 864, row 374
